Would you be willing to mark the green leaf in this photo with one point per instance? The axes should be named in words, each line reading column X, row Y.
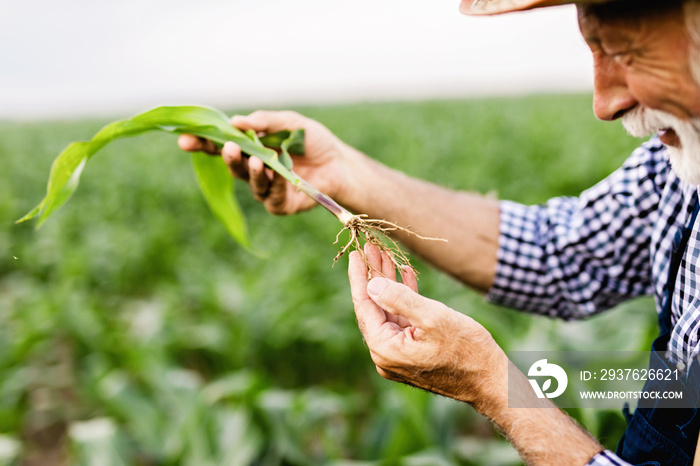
column 66, row 169
column 292, row 144
column 217, row 187
column 213, row 177
column 253, row 136
column 295, row 142
column 275, row 140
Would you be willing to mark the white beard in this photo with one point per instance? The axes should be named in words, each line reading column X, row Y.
column 685, row 161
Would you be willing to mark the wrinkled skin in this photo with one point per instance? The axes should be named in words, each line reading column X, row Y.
column 641, row 60
column 416, row 340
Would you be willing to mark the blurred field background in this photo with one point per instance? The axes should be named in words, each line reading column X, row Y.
column 134, row 331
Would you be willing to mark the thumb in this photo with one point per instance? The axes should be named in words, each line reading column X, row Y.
column 400, row 300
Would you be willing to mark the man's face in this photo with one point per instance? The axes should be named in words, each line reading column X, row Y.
column 643, row 75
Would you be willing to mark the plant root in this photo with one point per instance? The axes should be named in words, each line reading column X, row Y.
column 377, row 232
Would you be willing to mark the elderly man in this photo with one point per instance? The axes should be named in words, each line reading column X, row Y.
column 632, row 234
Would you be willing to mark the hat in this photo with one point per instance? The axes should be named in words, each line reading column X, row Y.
column 494, row 7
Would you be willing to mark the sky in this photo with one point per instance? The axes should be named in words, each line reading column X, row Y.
column 79, row 58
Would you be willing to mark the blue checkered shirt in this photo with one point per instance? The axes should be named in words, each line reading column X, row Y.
column 573, row 257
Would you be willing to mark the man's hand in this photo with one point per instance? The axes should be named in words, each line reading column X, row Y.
column 364, row 186
column 322, row 165
column 419, row 341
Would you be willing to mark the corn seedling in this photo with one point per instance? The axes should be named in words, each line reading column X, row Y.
column 274, row 150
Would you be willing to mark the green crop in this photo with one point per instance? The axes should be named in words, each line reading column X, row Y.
column 213, row 177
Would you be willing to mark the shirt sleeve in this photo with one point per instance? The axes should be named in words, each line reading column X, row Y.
column 607, row 458
column 572, row 257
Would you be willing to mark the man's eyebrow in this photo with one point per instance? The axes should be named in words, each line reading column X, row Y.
column 589, row 33
column 591, row 39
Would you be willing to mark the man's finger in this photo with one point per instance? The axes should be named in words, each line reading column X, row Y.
column 233, row 158
column 388, row 268
column 379, row 261
column 190, row 143
column 259, row 181
column 269, row 121
column 401, row 300
column 278, row 195
column 374, row 259
column 408, row 277
column 369, row 316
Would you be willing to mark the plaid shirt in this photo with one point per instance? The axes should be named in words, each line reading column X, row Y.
column 574, row 257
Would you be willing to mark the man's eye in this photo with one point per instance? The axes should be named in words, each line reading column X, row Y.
column 622, row 58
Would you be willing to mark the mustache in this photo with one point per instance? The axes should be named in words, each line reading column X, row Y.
column 640, row 122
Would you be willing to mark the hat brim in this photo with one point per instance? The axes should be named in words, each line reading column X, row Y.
column 495, row 7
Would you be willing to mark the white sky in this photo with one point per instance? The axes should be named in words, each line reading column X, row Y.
column 96, row 57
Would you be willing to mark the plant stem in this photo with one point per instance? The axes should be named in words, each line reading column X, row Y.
column 360, row 227
column 344, row 215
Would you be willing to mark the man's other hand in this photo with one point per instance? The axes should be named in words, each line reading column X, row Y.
column 422, row 342
column 323, row 165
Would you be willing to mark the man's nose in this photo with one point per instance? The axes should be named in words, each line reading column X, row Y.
column 611, row 96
